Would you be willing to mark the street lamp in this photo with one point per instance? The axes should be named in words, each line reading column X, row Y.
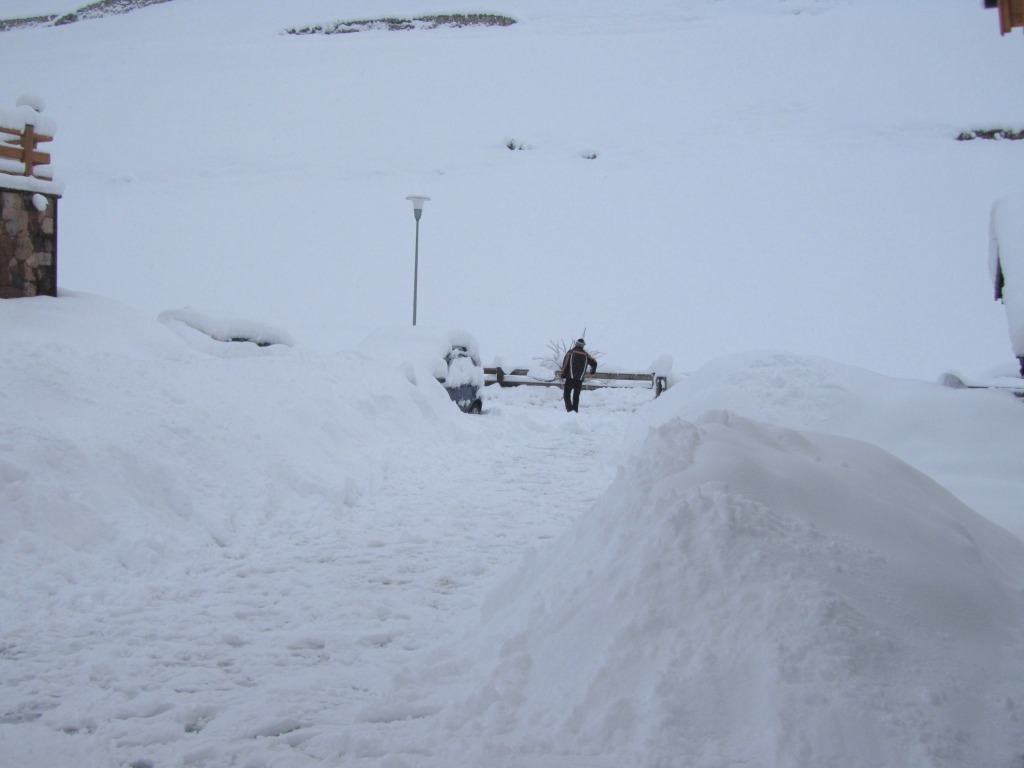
column 417, row 211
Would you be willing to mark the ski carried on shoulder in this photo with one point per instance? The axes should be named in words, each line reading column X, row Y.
column 1003, row 383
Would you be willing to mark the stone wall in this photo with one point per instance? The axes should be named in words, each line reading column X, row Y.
column 28, row 244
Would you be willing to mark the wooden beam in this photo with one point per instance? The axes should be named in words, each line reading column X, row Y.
column 17, row 153
column 23, row 148
column 1016, row 12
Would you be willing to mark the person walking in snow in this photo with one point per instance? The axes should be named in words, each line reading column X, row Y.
column 574, row 367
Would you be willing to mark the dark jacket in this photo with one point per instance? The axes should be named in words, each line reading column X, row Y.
column 575, row 363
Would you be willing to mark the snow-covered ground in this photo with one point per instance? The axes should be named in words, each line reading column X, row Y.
column 281, row 556
column 218, row 554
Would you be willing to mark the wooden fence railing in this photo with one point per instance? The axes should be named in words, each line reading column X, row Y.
column 22, row 147
column 520, row 377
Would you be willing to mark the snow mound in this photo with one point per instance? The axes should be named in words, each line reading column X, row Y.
column 423, row 350
column 198, row 330
column 750, row 594
column 966, row 440
column 149, row 449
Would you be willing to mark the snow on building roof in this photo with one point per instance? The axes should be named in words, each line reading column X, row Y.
column 1006, row 263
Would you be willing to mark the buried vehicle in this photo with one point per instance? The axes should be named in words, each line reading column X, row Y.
column 465, row 378
column 450, row 357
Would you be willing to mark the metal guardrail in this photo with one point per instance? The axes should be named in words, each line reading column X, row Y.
column 520, row 377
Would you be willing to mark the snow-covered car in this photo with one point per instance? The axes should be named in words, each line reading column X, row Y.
column 451, row 357
column 465, row 379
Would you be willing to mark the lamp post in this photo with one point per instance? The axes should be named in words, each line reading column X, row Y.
column 417, row 211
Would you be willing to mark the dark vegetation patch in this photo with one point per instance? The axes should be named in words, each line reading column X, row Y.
column 995, row 134
column 30, row 21
column 95, row 10
column 392, row 25
column 515, row 145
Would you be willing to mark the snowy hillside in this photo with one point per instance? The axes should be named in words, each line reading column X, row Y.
column 778, row 174
column 215, row 553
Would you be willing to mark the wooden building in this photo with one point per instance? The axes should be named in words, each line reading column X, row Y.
column 1011, row 13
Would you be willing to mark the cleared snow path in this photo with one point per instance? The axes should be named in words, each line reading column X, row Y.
column 283, row 641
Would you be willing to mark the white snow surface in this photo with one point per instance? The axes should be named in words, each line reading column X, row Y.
column 221, row 554
column 299, row 557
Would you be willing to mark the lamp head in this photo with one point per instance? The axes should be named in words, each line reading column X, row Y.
column 417, row 204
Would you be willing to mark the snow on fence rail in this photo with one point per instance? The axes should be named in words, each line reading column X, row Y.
column 21, row 132
column 522, row 377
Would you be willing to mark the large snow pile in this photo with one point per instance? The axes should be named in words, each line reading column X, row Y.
column 748, row 594
column 1006, row 264
column 968, row 440
column 119, row 438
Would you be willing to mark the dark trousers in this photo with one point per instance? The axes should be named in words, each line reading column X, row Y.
column 571, row 394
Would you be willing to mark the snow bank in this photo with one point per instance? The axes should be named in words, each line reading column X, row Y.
column 969, row 441
column 1006, row 264
column 121, row 442
column 749, row 594
column 418, row 350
